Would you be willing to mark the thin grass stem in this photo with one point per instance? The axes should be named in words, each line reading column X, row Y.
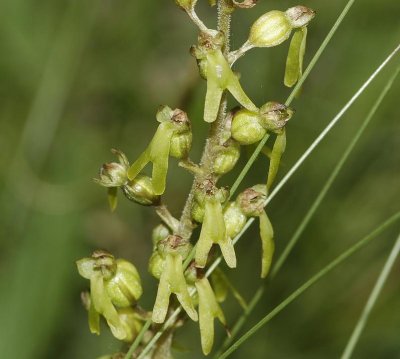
column 324, row 271
column 362, row 321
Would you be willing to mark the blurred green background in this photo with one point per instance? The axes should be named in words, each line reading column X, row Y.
column 80, row 77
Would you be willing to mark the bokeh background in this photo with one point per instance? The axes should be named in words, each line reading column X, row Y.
column 81, row 77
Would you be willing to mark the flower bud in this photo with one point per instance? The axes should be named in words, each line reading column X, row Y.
column 234, row 219
column 246, row 127
column 299, row 16
column 114, row 174
column 174, row 244
column 227, row 156
column 160, row 232
column 274, row 115
column 252, row 200
column 271, row 29
column 141, row 190
column 156, row 265
column 181, row 141
column 205, row 190
column 124, row 288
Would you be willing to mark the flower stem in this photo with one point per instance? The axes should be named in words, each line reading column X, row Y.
column 215, row 133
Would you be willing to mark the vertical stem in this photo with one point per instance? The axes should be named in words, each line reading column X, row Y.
column 215, row 132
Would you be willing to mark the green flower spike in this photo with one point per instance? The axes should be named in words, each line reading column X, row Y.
column 173, row 250
column 213, row 229
column 251, row 202
column 294, row 61
column 173, row 137
column 208, row 310
column 113, row 284
column 216, row 70
column 275, row 159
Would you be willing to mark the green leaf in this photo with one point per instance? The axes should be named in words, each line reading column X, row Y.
column 294, row 61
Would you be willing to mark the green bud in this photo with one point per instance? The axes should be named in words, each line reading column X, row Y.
column 299, row 16
column 124, row 288
column 271, row 29
column 246, row 127
column 204, row 190
column 234, row 219
column 114, row 174
column 181, row 141
column 174, row 244
column 227, row 156
column 156, row 265
column 141, row 190
column 208, row 310
column 159, row 232
column 274, row 116
column 252, row 200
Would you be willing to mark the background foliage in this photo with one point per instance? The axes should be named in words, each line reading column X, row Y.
column 80, row 77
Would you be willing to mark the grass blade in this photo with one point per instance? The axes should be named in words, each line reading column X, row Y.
column 372, row 300
column 310, row 213
column 324, row 271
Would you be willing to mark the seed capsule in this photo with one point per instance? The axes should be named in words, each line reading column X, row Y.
column 234, row 219
column 246, row 127
column 141, row 190
column 124, row 288
column 228, row 155
column 271, row 29
column 156, row 265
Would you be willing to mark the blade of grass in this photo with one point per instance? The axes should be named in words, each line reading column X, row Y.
column 310, row 213
column 324, row 271
column 289, row 100
column 362, row 321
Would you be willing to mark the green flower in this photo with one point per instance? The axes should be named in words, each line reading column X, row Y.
column 172, row 138
column 114, row 285
column 216, row 70
column 208, row 310
column 252, row 202
column 172, row 250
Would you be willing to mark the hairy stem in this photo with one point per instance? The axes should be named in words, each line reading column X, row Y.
column 215, row 133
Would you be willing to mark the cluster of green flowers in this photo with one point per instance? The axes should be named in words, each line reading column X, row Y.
column 115, row 284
